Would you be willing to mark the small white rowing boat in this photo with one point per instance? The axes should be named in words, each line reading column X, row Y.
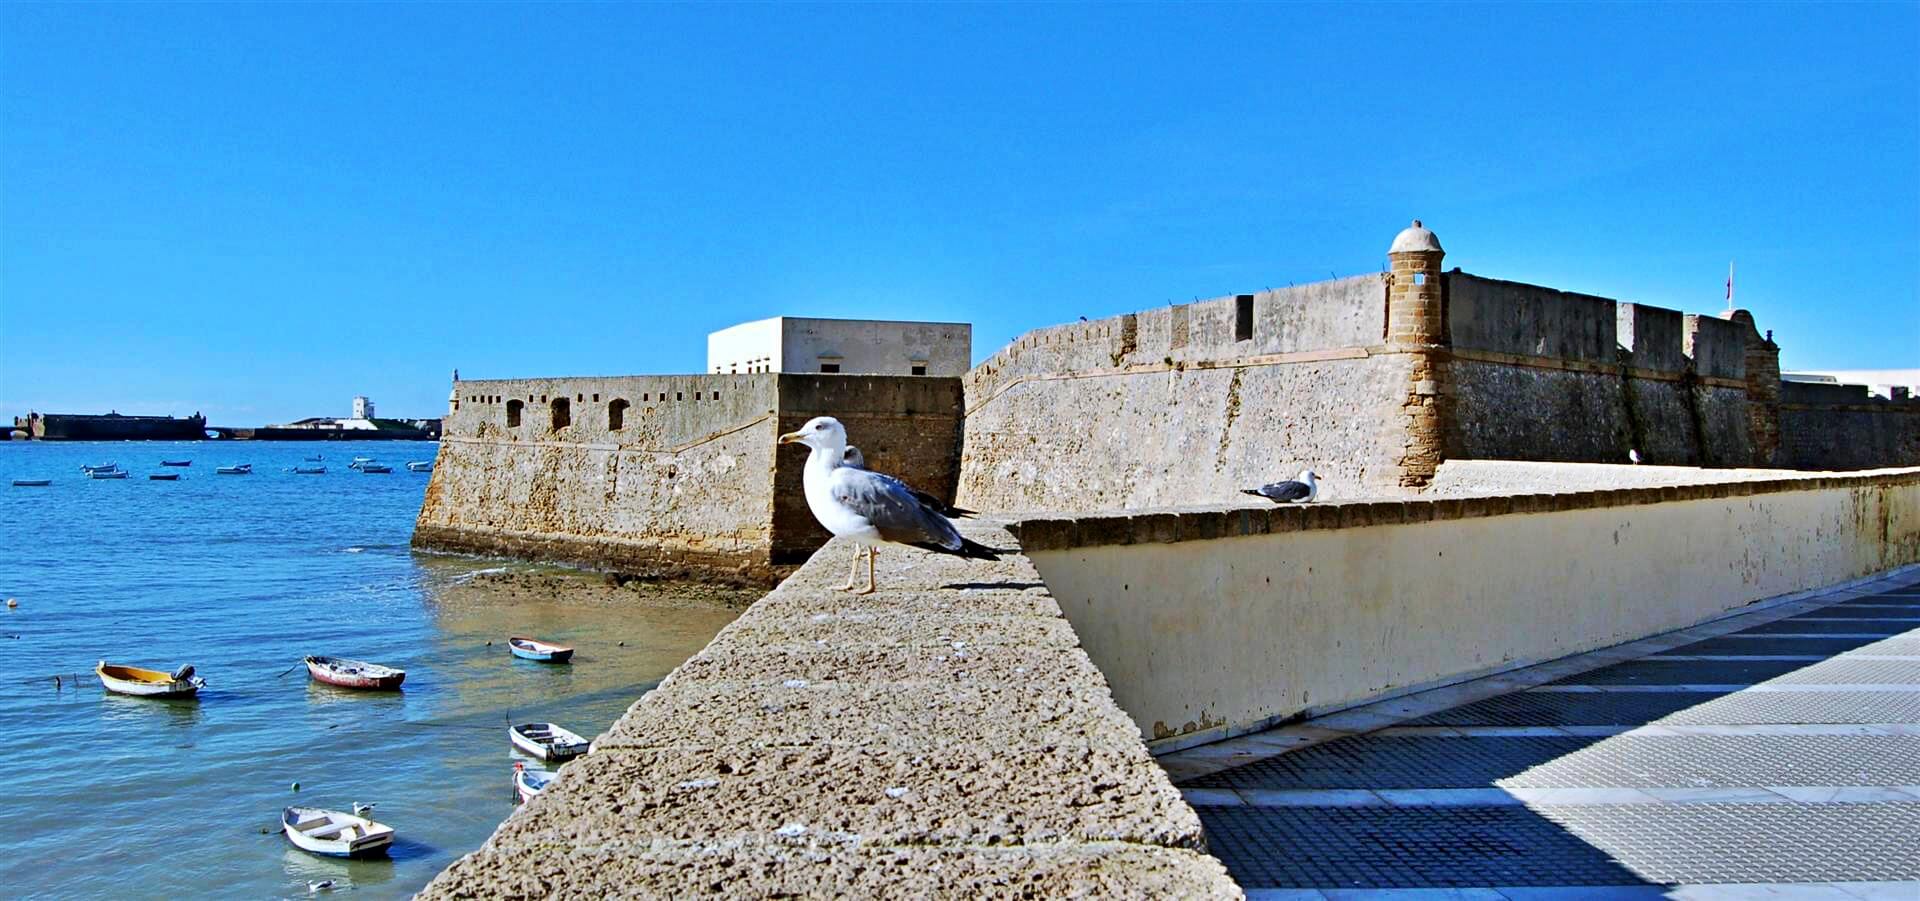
column 548, row 741
column 148, row 683
column 529, row 783
column 335, row 834
column 420, row 466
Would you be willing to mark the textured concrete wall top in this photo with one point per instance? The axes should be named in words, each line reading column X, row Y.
column 944, row 737
column 1517, row 318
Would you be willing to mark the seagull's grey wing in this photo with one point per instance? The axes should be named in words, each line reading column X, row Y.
column 1285, row 491
column 890, row 506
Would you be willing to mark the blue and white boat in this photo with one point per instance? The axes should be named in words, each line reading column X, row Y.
column 531, row 649
column 334, row 834
column 103, row 467
column 529, row 783
column 32, row 483
column 371, row 468
column 420, row 466
column 107, row 473
column 244, row 469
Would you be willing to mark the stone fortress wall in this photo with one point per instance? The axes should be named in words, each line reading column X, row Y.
column 664, row 475
column 1373, row 381
column 1159, row 407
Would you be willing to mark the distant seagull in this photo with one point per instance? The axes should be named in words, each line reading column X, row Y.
column 1633, row 455
column 324, row 885
column 858, row 460
column 870, row 508
column 1083, row 319
column 1302, row 490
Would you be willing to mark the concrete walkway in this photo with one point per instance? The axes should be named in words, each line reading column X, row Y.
column 1774, row 753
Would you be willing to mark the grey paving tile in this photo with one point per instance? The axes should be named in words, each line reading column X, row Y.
column 1716, row 794
column 1308, row 797
column 1446, row 797
column 1414, row 894
column 1881, row 891
column 1216, row 797
column 1844, row 794
column 1749, row 892
column 1582, row 892
column 1591, row 795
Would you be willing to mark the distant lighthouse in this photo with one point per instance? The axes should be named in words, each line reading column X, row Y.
column 362, row 407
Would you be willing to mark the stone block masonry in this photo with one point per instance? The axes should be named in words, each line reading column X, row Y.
column 944, row 737
column 665, row 475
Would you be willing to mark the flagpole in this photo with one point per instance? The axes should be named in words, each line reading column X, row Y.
column 1729, row 286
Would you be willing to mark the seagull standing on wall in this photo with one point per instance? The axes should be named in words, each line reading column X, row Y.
column 869, row 507
column 1302, row 490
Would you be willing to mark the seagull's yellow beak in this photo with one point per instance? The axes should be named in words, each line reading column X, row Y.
column 790, row 438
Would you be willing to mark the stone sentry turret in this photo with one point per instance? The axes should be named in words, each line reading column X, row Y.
column 1417, row 326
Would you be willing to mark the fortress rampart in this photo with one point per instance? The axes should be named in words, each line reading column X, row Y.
column 1373, row 381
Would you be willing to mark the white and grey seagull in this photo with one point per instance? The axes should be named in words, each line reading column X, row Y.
column 1302, row 490
column 870, row 508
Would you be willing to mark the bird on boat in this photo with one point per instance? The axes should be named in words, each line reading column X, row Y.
column 868, row 507
column 1302, row 490
column 858, row 460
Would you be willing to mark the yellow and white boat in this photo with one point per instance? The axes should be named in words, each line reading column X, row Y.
column 148, row 683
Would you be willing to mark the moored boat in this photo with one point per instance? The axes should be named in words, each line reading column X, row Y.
column 176, row 462
column 371, row 468
column 529, row 783
column 148, row 683
column 548, row 741
column 106, row 467
column 335, row 834
column 316, row 458
column 240, row 470
column 107, row 474
column 309, row 470
column 354, row 673
column 163, row 477
column 532, row 649
column 420, row 466
column 32, row 483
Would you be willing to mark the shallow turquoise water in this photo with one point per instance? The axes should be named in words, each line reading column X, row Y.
column 242, row 576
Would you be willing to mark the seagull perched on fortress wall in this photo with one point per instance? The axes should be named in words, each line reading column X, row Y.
column 1302, row 490
column 869, row 507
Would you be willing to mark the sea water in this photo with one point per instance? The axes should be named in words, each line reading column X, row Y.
column 242, row 576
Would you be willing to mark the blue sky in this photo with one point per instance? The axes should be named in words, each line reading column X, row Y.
column 261, row 210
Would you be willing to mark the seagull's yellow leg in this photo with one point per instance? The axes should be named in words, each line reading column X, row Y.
column 873, row 553
column 853, row 567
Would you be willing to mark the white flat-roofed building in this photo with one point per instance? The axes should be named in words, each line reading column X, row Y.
column 852, row 346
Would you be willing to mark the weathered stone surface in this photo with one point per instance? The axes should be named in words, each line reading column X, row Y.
column 943, row 736
column 795, row 868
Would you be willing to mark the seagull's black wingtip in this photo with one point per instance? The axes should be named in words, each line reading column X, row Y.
column 969, row 549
